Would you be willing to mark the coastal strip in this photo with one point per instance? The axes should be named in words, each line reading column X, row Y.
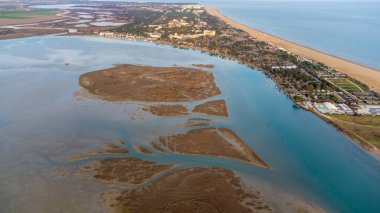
column 370, row 77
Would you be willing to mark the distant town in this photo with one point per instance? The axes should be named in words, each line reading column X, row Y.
column 310, row 84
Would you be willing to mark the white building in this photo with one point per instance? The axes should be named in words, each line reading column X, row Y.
column 106, row 34
column 330, row 106
column 346, row 109
column 369, row 110
column 209, row 32
column 192, row 6
column 154, row 35
column 288, row 67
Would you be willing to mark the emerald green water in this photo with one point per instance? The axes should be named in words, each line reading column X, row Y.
column 43, row 121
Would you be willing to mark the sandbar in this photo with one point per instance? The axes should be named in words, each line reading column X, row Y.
column 368, row 76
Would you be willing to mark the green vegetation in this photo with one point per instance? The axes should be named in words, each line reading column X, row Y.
column 24, row 14
column 365, row 129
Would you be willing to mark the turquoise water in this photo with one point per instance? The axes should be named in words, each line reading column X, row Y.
column 43, row 120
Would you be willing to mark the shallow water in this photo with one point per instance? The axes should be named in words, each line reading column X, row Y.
column 106, row 23
column 43, row 121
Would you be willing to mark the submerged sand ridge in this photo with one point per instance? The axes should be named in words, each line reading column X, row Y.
column 150, row 84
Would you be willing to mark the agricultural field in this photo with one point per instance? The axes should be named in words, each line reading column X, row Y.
column 345, row 84
column 24, row 14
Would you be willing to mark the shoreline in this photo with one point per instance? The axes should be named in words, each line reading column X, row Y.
column 362, row 143
column 367, row 146
column 368, row 76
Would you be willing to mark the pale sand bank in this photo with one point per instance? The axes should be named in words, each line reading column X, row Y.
column 368, row 76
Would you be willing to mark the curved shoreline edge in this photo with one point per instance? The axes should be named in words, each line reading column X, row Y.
column 366, row 75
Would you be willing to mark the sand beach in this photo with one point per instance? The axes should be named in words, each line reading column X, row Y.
column 366, row 75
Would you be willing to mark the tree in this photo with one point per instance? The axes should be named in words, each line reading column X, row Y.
column 310, row 88
column 297, row 98
column 164, row 35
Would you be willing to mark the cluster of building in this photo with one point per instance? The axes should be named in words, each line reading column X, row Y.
column 341, row 109
column 308, row 82
column 127, row 36
column 154, row 36
column 191, row 36
column 342, row 97
column 330, row 108
column 180, row 28
column 286, row 67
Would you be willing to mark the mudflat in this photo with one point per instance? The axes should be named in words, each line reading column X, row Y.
column 218, row 108
column 220, row 142
column 108, row 148
column 125, row 170
column 193, row 122
column 142, row 149
column 190, row 190
column 150, row 84
column 167, row 110
column 21, row 33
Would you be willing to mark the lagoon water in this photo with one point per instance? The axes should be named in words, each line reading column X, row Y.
column 43, row 121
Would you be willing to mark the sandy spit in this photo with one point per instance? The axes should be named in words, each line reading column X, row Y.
column 368, row 76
